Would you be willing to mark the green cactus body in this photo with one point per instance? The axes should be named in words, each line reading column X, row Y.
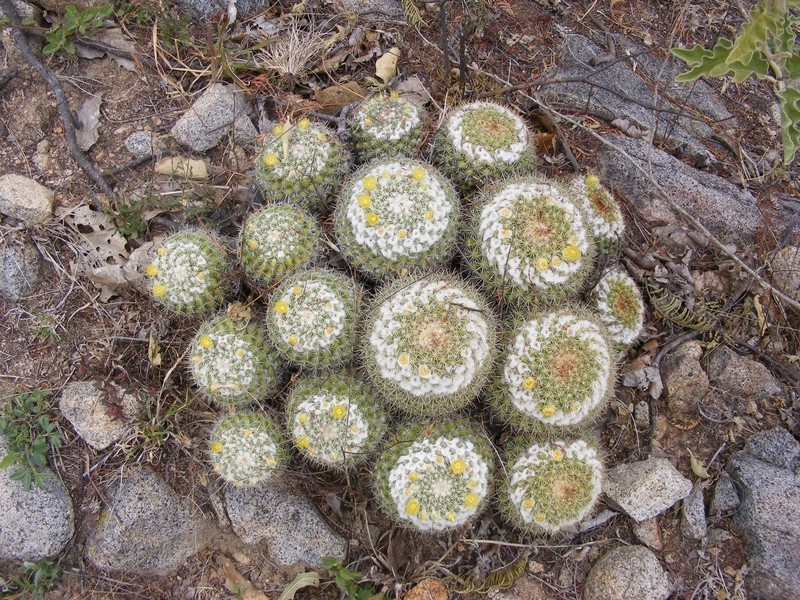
column 550, row 487
column 232, row 362
column 558, row 372
column 529, row 242
column 395, row 216
column 429, row 344
column 277, row 240
column 189, row 273
column 482, row 141
column 311, row 318
column 435, row 477
column 247, row 448
column 385, row 125
column 334, row 420
column 302, row 163
column 603, row 215
column 620, row 306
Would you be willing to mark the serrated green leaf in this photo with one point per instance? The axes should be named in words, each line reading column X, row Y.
column 790, row 120
column 792, row 66
column 8, row 460
column 703, row 62
column 758, row 66
column 309, row 578
column 763, row 21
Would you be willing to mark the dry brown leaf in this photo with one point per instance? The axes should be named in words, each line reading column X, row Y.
column 180, row 166
column 429, row 589
column 386, row 65
column 332, row 99
column 613, row 3
column 238, row 583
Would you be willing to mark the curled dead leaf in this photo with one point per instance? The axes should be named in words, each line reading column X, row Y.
column 386, row 65
column 428, row 589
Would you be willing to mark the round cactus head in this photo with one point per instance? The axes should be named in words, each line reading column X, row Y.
column 429, row 344
column 385, row 125
column 397, row 215
column 247, row 448
column 550, row 487
column 557, row 372
column 275, row 241
column 481, row 141
column 603, row 215
column 620, row 306
column 301, row 162
column 334, row 420
column 311, row 318
column 189, row 273
column 232, row 362
column 435, row 477
column 529, row 242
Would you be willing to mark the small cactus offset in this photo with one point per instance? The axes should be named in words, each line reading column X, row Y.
column 619, row 305
column 189, row 273
column 277, row 240
column 247, row 448
column 481, row 141
column 334, row 420
column 429, row 344
column 558, row 372
column 529, row 242
column 549, row 488
column 397, row 215
column 435, row 477
column 302, row 163
column 311, row 318
column 603, row 215
column 232, row 362
column 385, row 125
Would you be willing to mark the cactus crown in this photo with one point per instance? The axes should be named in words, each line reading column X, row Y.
column 558, row 370
column 551, row 487
column 396, row 215
column 188, row 273
column 276, row 240
column 246, row 448
column 386, row 117
column 435, row 477
column 334, row 420
column 620, row 306
column 232, row 362
column 429, row 344
column 487, row 133
column 604, row 217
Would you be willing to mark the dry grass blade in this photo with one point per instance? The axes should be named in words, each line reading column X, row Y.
column 292, row 54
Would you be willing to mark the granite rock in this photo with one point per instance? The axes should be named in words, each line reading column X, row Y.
column 100, row 415
column 645, row 488
column 626, row 573
column 22, row 271
column 24, row 199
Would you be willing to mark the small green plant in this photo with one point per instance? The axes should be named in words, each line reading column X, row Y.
column 766, row 48
column 36, row 579
column 25, row 420
column 75, row 23
column 348, row 581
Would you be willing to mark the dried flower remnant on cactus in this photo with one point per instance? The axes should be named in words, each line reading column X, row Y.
column 188, row 273
column 247, row 449
column 603, row 215
column 429, row 344
column 385, row 125
column 551, row 487
column 620, row 306
column 435, row 477
column 395, row 216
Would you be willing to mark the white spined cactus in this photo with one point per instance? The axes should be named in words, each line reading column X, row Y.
column 550, row 488
column 481, row 141
column 529, row 242
column 558, row 372
column 247, row 449
column 385, row 125
column 311, row 318
column 619, row 305
column 231, row 361
column 397, row 215
column 435, row 477
column 277, row 240
column 603, row 215
column 429, row 344
column 334, row 420
column 189, row 273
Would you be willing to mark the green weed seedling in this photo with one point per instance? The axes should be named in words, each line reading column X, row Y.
column 74, row 23
column 25, row 420
column 348, row 581
column 36, row 579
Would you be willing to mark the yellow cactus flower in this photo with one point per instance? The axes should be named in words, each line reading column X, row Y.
column 529, row 383
column 412, row 507
column 216, row 447
column 548, row 410
column 527, row 504
column 558, row 454
column 159, row 290
column 539, row 517
column 423, row 516
column 458, row 466
column 321, row 137
column 575, row 407
column 556, row 261
column 339, row 411
column 196, row 359
column 161, row 251
column 429, row 215
column 472, row 484
column 372, row 218
column 572, row 253
column 201, row 276
column 542, row 264
column 451, row 516
column 364, row 201
column 270, row 159
column 247, row 432
column 278, row 130
column 471, row 500
column 302, row 418
column 404, row 359
column 252, row 244
column 205, row 341
column 394, row 95
column 297, row 291
column 418, row 173
column 303, row 443
column 304, row 123
column 413, row 476
column 367, row 122
column 151, row 270
column 240, row 352
column 281, row 307
column 370, row 183
column 402, row 234
column 505, row 212
column 592, row 181
column 424, row 371
column 292, row 340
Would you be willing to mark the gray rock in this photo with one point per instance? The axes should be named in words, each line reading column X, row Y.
column 21, row 271
column 649, row 533
column 646, row 488
column 725, row 497
column 34, row 523
column 725, row 210
column 767, row 472
column 641, row 415
column 25, row 199
column 204, row 9
column 213, row 115
column 143, row 144
column 786, row 270
column 374, row 9
column 626, row 573
column 685, row 382
column 100, row 415
column 23, row 9
column 290, row 524
column 693, row 514
column 742, row 375
column 146, row 529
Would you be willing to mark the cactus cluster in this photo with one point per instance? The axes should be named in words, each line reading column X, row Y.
column 603, row 215
column 620, row 306
column 385, row 125
column 247, row 448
